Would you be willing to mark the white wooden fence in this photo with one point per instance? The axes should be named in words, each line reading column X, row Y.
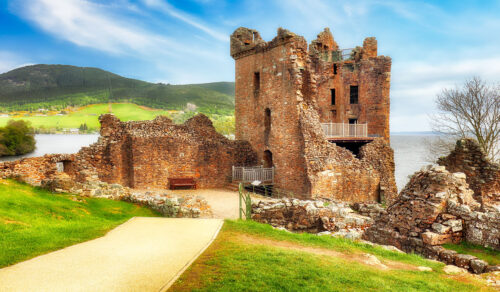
column 253, row 173
column 332, row 130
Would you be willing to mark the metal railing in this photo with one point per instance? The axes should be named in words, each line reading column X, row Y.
column 346, row 54
column 253, row 173
column 332, row 130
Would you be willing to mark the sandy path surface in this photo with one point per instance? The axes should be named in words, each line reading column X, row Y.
column 224, row 203
column 143, row 254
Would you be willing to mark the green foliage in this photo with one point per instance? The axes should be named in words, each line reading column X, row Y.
column 87, row 117
column 484, row 253
column 35, row 221
column 60, row 86
column 16, row 138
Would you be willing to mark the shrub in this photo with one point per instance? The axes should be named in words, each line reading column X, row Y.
column 16, row 138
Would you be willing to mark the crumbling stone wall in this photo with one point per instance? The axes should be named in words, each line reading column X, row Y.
column 281, row 90
column 311, row 216
column 434, row 208
column 146, row 153
column 483, row 176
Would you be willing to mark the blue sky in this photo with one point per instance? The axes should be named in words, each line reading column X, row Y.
column 433, row 44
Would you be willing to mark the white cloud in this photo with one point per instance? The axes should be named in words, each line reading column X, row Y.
column 170, row 10
column 91, row 25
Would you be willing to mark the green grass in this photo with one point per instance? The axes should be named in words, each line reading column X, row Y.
column 231, row 264
column 35, row 221
column 124, row 111
column 334, row 243
column 486, row 254
column 90, row 115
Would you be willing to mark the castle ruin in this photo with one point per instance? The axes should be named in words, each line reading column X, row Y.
column 296, row 104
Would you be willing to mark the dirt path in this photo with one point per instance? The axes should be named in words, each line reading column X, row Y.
column 366, row 259
column 143, row 254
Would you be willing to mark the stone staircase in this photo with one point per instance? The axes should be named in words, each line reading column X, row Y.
column 232, row 186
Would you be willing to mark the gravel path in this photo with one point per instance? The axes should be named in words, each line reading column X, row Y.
column 143, row 254
column 224, row 203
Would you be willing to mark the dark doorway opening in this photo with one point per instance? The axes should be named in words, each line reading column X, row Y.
column 353, row 121
column 354, row 147
column 268, row 159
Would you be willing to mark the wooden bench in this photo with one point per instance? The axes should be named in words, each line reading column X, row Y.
column 181, row 182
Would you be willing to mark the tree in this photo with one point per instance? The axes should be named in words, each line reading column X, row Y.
column 16, row 138
column 471, row 110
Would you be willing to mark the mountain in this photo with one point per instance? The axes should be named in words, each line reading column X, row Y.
column 45, row 86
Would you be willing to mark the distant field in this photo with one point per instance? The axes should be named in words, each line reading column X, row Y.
column 89, row 115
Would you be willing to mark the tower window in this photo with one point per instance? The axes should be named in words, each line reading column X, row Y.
column 335, row 69
column 267, row 125
column 354, row 94
column 256, row 83
column 332, row 92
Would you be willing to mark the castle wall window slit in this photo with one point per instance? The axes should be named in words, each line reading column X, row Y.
column 353, row 96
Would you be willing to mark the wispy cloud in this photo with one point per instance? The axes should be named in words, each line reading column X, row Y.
column 165, row 7
column 88, row 24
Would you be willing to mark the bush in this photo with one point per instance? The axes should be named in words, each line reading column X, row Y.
column 16, row 138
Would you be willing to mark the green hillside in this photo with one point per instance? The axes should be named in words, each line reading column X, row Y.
column 59, row 86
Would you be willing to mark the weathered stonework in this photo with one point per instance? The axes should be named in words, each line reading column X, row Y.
column 146, row 153
column 434, row 208
column 312, row 216
column 483, row 176
column 283, row 94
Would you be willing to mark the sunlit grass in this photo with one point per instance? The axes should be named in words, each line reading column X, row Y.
column 35, row 221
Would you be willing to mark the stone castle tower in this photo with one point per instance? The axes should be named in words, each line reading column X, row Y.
column 296, row 104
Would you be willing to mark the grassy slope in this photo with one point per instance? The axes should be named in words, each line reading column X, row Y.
column 231, row 264
column 487, row 254
column 45, row 86
column 90, row 115
column 34, row 221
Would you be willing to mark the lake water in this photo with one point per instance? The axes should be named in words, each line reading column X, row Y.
column 410, row 152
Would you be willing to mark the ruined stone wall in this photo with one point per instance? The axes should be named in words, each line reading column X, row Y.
column 483, row 176
column 146, row 153
column 306, row 163
column 434, row 208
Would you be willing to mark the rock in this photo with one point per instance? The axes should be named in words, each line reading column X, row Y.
column 391, row 248
column 491, row 269
column 450, row 269
column 432, row 238
column 440, row 228
column 372, row 260
column 456, row 225
column 463, row 260
column 424, row 269
column 478, row 266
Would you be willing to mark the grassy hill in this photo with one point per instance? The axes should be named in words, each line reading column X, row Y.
column 59, row 86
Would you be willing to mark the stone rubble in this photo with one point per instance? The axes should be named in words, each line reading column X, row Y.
column 336, row 218
column 482, row 175
column 434, row 208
